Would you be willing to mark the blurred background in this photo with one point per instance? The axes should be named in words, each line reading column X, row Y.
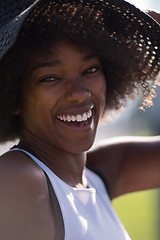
column 139, row 212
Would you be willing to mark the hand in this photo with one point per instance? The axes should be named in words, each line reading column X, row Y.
column 153, row 14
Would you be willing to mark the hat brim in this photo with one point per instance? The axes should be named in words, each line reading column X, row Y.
column 122, row 21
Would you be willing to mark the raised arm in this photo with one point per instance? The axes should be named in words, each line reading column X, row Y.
column 128, row 164
column 154, row 14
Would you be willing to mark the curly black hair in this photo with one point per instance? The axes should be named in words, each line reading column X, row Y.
column 83, row 27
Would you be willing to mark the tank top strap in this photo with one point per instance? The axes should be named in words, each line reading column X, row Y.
column 59, row 224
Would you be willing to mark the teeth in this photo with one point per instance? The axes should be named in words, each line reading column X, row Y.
column 78, row 118
column 68, row 118
column 73, row 118
column 89, row 113
column 64, row 118
column 61, row 118
column 84, row 117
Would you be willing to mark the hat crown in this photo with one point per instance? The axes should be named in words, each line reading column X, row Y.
column 118, row 19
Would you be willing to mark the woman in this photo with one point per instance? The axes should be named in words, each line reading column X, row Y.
column 154, row 14
column 133, row 160
column 60, row 69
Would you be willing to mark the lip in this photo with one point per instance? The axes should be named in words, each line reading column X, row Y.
column 76, row 117
column 78, row 126
column 77, row 111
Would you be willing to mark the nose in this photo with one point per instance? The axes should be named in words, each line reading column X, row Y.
column 77, row 92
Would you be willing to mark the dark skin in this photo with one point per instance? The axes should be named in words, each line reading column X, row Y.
column 25, row 205
column 153, row 14
column 128, row 164
column 55, row 87
column 26, row 211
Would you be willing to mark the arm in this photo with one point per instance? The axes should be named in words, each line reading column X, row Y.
column 24, row 200
column 128, row 164
column 153, row 14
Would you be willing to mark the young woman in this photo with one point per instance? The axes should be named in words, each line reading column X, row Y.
column 63, row 63
column 134, row 160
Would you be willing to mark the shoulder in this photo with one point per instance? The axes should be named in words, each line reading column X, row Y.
column 118, row 148
column 24, row 199
column 18, row 170
column 107, row 153
column 125, row 163
column 106, row 158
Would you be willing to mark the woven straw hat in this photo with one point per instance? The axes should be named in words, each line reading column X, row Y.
column 119, row 20
column 126, row 40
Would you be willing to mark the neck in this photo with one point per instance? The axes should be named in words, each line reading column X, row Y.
column 67, row 166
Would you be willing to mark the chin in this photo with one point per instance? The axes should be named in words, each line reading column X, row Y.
column 82, row 147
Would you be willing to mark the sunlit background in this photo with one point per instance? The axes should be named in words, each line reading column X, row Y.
column 146, row 4
column 139, row 212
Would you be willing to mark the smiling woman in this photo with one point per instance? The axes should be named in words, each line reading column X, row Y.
column 63, row 63
column 58, row 94
column 125, row 62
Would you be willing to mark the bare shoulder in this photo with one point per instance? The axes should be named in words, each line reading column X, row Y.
column 106, row 157
column 127, row 162
column 115, row 149
column 106, row 152
column 24, row 200
column 18, row 171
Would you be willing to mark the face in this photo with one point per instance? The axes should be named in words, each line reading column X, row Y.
column 63, row 97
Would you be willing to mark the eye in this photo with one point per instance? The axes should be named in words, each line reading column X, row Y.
column 49, row 79
column 91, row 70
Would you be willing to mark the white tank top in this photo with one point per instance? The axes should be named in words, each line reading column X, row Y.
column 87, row 213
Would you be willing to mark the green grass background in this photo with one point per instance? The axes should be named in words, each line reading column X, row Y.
column 140, row 214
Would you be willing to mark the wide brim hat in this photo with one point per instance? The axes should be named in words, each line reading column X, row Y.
column 119, row 19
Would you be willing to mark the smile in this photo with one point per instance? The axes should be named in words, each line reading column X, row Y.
column 76, row 118
column 79, row 121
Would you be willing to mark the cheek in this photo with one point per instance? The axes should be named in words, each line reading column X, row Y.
column 103, row 99
column 101, row 91
column 98, row 89
column 102, row 95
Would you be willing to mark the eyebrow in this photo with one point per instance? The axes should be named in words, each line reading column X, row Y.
column 85, row 58
column 57, row 62
column 45, row 64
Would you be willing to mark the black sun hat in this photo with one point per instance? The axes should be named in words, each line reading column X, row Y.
column 119, row 20
column 125, row 39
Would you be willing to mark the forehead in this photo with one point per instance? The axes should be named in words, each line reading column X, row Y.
column 65, row 47
column 61, row 52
